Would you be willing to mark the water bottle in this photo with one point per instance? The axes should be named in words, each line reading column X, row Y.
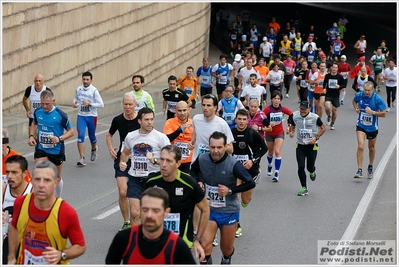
column 6, row 222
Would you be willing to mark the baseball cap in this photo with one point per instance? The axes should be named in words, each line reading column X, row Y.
column 304, row 105
column 362, row 58
column 265, row 38
column 335, row 24
column 310, row 37
column 362, row 36
column 343, row 56
column 244, row 36
column 237, row 57
column 323, row 55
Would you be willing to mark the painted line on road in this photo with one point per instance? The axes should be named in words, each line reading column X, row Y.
column 358, row 216
column 107, row 213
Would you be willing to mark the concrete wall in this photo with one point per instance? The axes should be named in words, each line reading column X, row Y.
column 112, row 40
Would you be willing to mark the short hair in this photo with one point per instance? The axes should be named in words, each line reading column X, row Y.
column 211, row 96
column 141, row 77
column 5, row 133
column 275, row 93
column 273, row 65
column 173, row 149
column 229, row 85
column 43, row 164
column 242, row 112
column 253, row 75
column 156, row 192
column 190, row 68
column 205, row 59
column 218, row 135
column 393, row 60
column 88, row 73
column 23, row 163
column 254, row 100
column 223, row 56
column 172, row 78
column 143, row 111
column 335, row 63
column 47, row 94
column 369, row 83
column 131, row 95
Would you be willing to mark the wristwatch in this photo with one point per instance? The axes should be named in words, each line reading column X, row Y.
column 63, row 255
column 60, row 137
column 155, row 161
column 230, row 192
column 200, row 240
column 373, row 112
column 317, row 137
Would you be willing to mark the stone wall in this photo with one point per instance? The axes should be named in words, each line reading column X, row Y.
column 112, row 40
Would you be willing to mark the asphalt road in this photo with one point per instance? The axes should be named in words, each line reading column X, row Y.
column 278, row 226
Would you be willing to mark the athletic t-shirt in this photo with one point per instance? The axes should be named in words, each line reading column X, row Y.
column 123, row 126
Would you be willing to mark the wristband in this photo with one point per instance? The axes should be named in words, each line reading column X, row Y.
column 31, row 136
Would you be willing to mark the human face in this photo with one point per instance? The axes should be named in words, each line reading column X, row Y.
column 172, row 85
column 168, row 165
column 343, row 60
column 228, row 92
column 249, row 63
column 368, row 90
column 276, row 101
column 334, row 69
column 205, row 64
column 314, row 67
column 86, row 80
column 47, row 104
column 322, row 67
column 152, row 214
column 242, row 122
column 363, row 72
column 304, row 111
column 379, row 51
column 253, row 108
column 223, row 61
column 304, row 64
column 391, row 64
column 182, row 111
column 208, row 109
column 129, row 103
column 147, row 123
column 275, row 68
column 39, row 81
column 43, row 183
column 15, row 175
column 252, row 80
column 217, row 148
column 261, row 63
column 137, row 85
column 189, row 73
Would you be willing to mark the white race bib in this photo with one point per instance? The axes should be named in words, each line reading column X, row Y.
column 45, row 139
column 215, row 200
column 140, row 166
column 172, row 222
column 241, row 158
column 202, row 148
column 185, row 152
column 366, row 119
column 31, row 259
column 305, row 135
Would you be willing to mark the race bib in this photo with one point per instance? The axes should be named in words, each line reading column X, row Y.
column 310, row 58
column 229, row 118
column 185, row 152
column 188, row 91
column 223, row 80
column 140, row 166
column 366, row 119
column 171, row 106
column 241, row 158
column 282, row 50
column 337, row 48
column 233, row 37
column 45, row 139
column 84, row 109
column 36, row 104
column 303, row 83
column 305, row 135
column 344, row 75
column 215, row 200
column 277, row 79
column 276, row 117
column 31, row 259
column 205, row 79
column 172, row 222
column 288, row 69
column 321, row 83
column 332, row 84
column 297, row 46
column 202, row 148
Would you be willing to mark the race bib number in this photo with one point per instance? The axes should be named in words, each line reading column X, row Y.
column 305, row 135
column 288, row 69
column 282, row 50
column 202, row 148
column 172, row 222
column 297, row 46
column 84, row 109
column 171, row 106
column 188, row 90
column 321, row 83
column 276, row 117
column 332, row 84
column 45, row 139
column 378, row 65
column 276, row 79
column 337, row 48
column 366, row 119
column 185, row 152
column 303, row 83
column 310, row 58
column 140, row 166
column 229, row 118
column 241, row 158
column 233, row 37
column 31, row 259
column 36, row 104
column 215, row 200
column 223, row 80
column 205, row 79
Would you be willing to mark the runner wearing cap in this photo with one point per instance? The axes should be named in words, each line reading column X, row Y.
column 245, row 43
column 344, row 69
column 356, row 69
column 332, row 34
column 306, row 145
column 265, row 49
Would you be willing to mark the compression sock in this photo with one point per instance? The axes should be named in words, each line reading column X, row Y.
column 277, row 163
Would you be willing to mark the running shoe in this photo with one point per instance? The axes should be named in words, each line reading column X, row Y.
column 303, row 192
column 370, row 172
column 257, row 178
column 81, row 162
column 328, row 120
column 312, row 176
column 287, row 95
column 332, row 126
column 239, row 232
column 225, row 261
column 393, row 104
column 93, row 156
column 275, row 178
column 215, row 241
column 126, row 225
column 342, row 102
column 269, row 170
column 388, row 109
column 378, row 89
column 358, row 174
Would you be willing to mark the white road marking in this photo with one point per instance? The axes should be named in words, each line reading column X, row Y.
column 361, row 209
column 107, row 213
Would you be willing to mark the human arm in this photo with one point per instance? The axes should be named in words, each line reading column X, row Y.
column 150, row 102
column 32, row 133
column 112, row 150
column 230, row 148
column 183, row 254
column 203, row 206
column 98, row 103
column 163, row 108
column 13, row 244
column 124, row 158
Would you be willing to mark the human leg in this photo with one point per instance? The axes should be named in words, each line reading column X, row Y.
column 300, row 158
column 91, row 126
column 135, row 187
column 81, row 128
column 208, row 236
